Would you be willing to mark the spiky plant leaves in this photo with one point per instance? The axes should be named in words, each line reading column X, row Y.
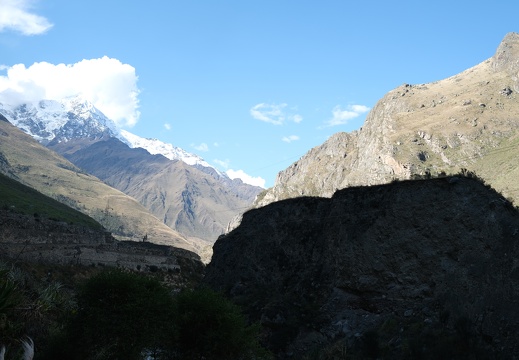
column 7, row 296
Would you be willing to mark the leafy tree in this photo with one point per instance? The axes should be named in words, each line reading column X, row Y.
column 128, row 316
column 211, row 327
column 120, row 315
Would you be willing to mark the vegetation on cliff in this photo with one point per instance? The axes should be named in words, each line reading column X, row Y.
column 19, row 198
column 113, row 314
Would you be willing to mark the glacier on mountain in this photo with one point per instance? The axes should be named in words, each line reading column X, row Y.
column 155, row 146
column 46, row 120
column 75, row 117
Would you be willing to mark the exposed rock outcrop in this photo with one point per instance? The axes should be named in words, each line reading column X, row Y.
column 506, row 57
column 470, row 120
column 317, row 271
column 36, row 239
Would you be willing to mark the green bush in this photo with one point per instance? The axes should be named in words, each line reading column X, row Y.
column 128, row 316
column 120, row 315
column 211, row 327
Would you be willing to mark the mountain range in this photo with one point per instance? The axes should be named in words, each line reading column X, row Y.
column 23, row 159
column 468, row 121
column 179, row 188
column 368, row 246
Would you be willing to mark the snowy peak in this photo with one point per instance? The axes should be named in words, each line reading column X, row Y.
column 155, row 146
column 74, row 118
column 59, row 120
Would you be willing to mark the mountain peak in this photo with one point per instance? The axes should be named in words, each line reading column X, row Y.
column 78, row 103
column 506, row 57
column 54, row 122
column 155, row 146
column 467, row 121
column 59, row 120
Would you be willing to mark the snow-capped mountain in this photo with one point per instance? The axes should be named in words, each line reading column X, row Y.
column 59, row 120
column 155, row 146
column 75, row 118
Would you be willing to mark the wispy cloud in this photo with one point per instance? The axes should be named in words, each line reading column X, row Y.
column 223, row 163
column 251, row 180
column 276, row 114
column 16, row 15
column 342, row 116
column 202, row 147
column 297, row 118
column 290, row 138
column 167, row 126
column 109, row 84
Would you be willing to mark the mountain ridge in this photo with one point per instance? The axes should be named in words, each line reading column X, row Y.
column 58, row 121
column 34, row 165
column 189, row 200
column 415, row 130
column 73, row 126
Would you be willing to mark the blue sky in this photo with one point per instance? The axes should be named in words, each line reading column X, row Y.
column 248, row 85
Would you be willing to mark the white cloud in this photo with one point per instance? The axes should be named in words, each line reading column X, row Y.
column 290, row 138
column 276, row 114
column 360, row 108
column 201, row 147
column 256, row 181
column 223, row 163
column 167, row 126
column 297, row 118
column 109, row 84
column 342, row 116
column 16, row 15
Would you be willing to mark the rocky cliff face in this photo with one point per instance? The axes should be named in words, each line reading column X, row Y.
column 470, row 120
column 37, row 239
column 429, row 256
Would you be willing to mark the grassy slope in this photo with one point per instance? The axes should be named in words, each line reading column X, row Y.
column 502, row 167
column 472, row 123
column 36, row 166
column 25, row 200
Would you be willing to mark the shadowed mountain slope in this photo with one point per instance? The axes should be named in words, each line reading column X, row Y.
column 427, row 255
column 22, row 199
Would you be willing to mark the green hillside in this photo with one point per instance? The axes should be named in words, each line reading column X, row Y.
column 22, row 199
